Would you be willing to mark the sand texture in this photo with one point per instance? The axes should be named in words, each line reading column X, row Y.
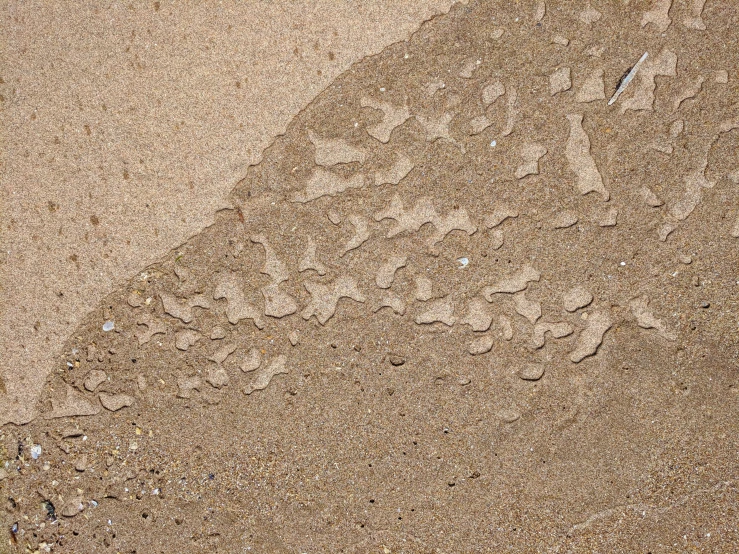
column 462, row 304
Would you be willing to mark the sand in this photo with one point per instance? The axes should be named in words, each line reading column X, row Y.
column 460, row 304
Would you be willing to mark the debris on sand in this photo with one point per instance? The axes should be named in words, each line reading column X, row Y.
column 626, row 80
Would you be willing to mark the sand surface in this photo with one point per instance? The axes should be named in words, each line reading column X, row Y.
column 125, row 127
column 481, row 294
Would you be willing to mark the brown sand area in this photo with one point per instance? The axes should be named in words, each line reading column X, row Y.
column 125, row 127
column 463, row 303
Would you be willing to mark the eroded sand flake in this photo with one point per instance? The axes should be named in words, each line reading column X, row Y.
column 399, row 170
column 325, row 298
column 481, row 345
column 361, row 232
column 658, row 15
column 182, row 308
column 531, row 153
column 580, row 160
column 478, row 315
column 645, row 319
column 325, row 183
column 515, row 283
column 492, row 92
column 560, row 81
column 557, row 330
column 439, row 310
column 643, row 99
column 393, row 117
column 264, row 376
column 310, row 260
column 228, row 286
column 115, row 402
column 530, row 309
column 335, row 151
column 592, row 336
column 592, row 88
column 386, row 274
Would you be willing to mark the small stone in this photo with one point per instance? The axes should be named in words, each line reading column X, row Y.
column 481, row 345
column 217, row 333
column 108, row 326
column 293, row 337
column 115, row 402
column 464, row 381
column 94, row 379
column 705, row 305
column 36, row 451
column 531, row 372
column 396, row 360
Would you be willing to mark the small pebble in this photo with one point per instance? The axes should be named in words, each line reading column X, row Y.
column 36, row 451
column 108, row 326
column 464, row 381
column 705, row 304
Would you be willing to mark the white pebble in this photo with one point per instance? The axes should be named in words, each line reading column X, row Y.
column 464, row 262
column 36, row 451
column 108, row 326
column 493, row 143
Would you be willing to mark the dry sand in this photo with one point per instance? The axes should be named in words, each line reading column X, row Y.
column 462, row 304
column 126, row 125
